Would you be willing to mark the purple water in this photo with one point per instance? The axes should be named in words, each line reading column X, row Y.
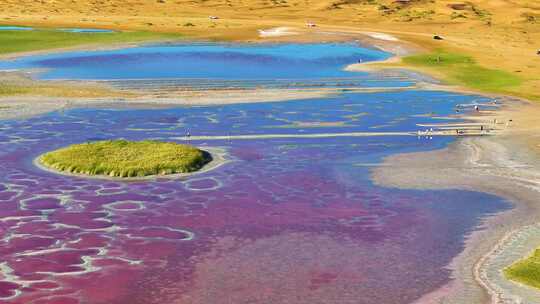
column 286, row 221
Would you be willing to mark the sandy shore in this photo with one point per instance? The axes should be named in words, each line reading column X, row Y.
column 505, row 165
column 500, row 165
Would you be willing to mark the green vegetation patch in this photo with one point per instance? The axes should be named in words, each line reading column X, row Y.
column 35, row 40
column 122, row 158
column 526, row 271
column 464, row 70
column 8, row 90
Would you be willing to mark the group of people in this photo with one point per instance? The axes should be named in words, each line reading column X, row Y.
column 483, row 128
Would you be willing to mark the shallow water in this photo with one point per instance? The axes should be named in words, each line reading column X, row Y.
column 71, row 30
column 85, row 30
column 287, row 221
column 15, row 28
column 209, row 61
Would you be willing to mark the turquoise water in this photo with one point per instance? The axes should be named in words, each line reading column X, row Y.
column 15, row 28
column 71, row 30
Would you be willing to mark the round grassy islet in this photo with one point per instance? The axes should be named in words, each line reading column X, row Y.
column 526, row 271
column 123, row 158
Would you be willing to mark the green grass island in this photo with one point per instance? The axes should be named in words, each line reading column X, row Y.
column 125, row 159
column 526, row 271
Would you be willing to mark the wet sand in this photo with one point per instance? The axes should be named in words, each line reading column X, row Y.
column 27, row 106
column 502, row 165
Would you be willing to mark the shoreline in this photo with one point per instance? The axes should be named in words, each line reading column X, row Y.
column 368, row 39
column 481, row 170
column 501, row 246
column 515, row 245
column 219, row 158
column 24, row 106
column 483, row 164
column 81, row 48
column 28, row 106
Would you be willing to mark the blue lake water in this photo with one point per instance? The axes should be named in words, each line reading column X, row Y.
column 285, row 212
column 222, row 61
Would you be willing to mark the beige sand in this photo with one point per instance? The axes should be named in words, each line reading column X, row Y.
column 501, row 165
